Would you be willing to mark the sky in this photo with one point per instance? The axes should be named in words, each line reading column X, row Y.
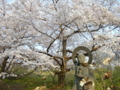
column 10, row 1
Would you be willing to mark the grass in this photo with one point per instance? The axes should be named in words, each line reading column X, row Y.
column 33, row 80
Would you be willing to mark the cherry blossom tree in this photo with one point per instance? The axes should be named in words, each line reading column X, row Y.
column 14, row 44
column 33, row 29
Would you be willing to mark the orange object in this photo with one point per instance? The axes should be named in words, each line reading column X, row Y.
column 43, row 78
column 106, row 75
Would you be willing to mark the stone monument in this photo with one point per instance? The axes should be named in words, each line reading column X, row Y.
column 84, row 77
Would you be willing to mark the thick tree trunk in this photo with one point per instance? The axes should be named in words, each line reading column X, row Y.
column 61, row 78
column 62, row 74
column 4, row 63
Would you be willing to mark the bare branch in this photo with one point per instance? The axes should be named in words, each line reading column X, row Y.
column 10, row 64
column 54, row 57
column 54, row 3
column 55, row 39
column 40, row 31
column 69, row 51
column 66, row 25
column 28, row 73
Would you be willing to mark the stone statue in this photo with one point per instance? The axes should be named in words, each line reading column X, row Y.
column 82, row 70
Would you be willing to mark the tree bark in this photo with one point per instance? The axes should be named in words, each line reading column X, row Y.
column 4, row 63
column 61, row 77
column 62, row 73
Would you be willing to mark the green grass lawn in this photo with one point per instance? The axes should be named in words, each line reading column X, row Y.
column 31, row 81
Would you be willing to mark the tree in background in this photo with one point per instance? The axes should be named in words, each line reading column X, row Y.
column 31, row 28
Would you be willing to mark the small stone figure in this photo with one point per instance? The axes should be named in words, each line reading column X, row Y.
column 84, row 77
